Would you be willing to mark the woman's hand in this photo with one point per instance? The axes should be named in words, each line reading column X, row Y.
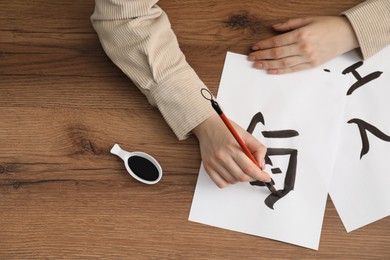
column 308, row 42
column 223, row 159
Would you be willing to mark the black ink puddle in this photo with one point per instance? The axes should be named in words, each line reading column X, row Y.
column 143, row 168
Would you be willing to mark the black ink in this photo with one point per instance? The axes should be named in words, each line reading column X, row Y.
column 360, row 81
column 280, row 134
column 268, row 160
column 289, row 180
column 363, row 127
column 260, row 183
column 326, row 70
column 276, row 170
column 143, row 168
column 257, row 118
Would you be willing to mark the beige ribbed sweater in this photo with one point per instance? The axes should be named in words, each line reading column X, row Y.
column 371, row 23
column 137, row 36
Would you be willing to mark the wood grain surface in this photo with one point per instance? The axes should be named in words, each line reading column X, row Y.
column 63, row 104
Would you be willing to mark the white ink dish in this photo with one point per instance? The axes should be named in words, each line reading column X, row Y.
column 141, row 166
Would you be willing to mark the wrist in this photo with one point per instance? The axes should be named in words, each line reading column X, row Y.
column 204, row 127
column 349, row 33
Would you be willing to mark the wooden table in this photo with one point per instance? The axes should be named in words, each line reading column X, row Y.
column 63, row 104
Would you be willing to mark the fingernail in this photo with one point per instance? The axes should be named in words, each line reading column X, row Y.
column 262, row 164
column 272, row 71
column 258, row 65
column 255, row 48
column 251, row 57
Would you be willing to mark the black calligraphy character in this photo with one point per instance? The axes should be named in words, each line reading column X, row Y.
column 360, row 81
column 289, row 180
column 363, row 127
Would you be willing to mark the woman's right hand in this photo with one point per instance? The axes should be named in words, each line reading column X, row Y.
column 223, row 159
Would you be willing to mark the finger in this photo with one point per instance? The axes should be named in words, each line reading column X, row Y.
column 255, row 146
column 229, row 165
column 235, row 171
column 265, row 177
column 276, row 41
column 258, row 149
column 275, row 53
column 226, row 174
column 292, row 24
column 250, row 169
column 298, row 67
column 216, row 178
column 260, row 158
column 283, row 63
column 235, row 167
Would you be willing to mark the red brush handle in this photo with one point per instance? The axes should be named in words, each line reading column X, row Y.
column 238, row 139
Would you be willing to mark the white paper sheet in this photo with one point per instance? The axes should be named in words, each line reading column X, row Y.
column 360, row 187
column 331, row 154
column 310, row 102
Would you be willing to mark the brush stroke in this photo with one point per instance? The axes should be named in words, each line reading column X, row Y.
column 363, row 128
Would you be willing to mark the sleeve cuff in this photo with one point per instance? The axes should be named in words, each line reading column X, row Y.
column 370, row 21
column 181, row 103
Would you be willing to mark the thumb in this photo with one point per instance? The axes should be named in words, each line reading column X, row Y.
column 291, row 24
